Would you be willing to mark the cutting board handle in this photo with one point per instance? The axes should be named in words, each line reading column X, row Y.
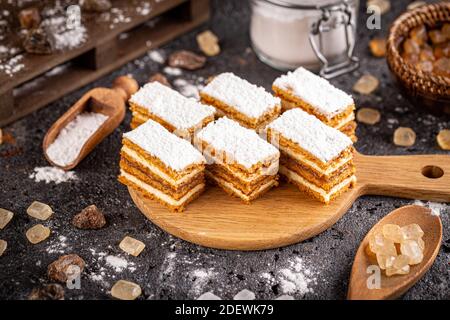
column 424, row 177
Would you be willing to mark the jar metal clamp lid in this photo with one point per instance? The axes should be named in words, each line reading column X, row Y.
column 334, row 14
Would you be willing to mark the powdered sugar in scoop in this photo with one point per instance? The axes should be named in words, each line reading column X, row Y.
column 67, row 146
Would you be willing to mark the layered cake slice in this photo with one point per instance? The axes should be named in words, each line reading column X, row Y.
column 161, row 166
column 175, row 112
column 315, row 95
column 250, row 105
column 239, row 161
column 315, row 157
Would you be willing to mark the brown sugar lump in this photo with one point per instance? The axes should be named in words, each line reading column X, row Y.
column 239, row 161
column 315, row 95
column 315, row 157
column 161, row 166
column 174, row 111
column 252, row 106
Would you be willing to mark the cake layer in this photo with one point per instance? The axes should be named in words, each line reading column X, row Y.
column 232, row 113
column 169, row 107
column 316, row 192
column 315, row 93
column 231, row 190
column 324, row 182
column 320, row 169
column 226, row 141
column 233, row 95
column 152, row 164
column 154, row 143
column 245, row 187
column 156, row 182
column 296, row 129
column 154, row 194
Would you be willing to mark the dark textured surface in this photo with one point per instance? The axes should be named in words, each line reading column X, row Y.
column 170, row 268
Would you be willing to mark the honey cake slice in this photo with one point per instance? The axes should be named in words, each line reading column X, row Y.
column 317, row 96
column 315, row 157
column 161, row 166
column 174, row 111
column 239, row 161
column 252, row 106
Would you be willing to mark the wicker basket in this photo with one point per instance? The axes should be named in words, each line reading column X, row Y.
column 422, row 87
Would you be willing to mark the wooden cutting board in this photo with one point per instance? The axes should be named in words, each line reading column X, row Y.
column 285, row 216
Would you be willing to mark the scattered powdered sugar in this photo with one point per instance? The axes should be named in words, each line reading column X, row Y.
column 52, row 174
column 247, row 98
column 201, row 278
column 144, row 9
column 244, row 295
column 13, row 65
column 208, row 296
column 296, row 277
column 119, row 264
column 316, row 91
column 171, row 71
column 311, row 134
column 58, row 246
column 157, row 56
column 65, row 38
column 188, row 89
column 436, row 207
column 67, row 146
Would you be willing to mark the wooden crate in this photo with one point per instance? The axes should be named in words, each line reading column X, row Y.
column 104, row 51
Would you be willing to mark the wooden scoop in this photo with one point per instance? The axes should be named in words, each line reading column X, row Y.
column 110, row 102
column 394, row 286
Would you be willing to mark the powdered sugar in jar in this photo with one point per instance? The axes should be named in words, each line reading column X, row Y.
column 316, row 34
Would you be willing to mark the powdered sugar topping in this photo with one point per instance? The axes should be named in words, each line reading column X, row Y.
column 316, row 91
column 171, row 106
column 247, row 98
column 321, row 141
column 173, row 151
column 240, row 144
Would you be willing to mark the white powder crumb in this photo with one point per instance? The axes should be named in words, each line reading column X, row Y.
column 201, row 278
column 285, row 297
column 58, row 246
column 173, row 71
column 119, row 264
column 65, row 38
column 67, row 146
column 12, row 66
column 169, row 263
column 296, row 278
column 157, row 56
column 187, row 89
column 245, row 295
column 144, row 9
column 208, row 296
column 52, row 174
column 436, row 207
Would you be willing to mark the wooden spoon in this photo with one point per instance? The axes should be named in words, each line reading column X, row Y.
column 395, row 286
column 110, row 102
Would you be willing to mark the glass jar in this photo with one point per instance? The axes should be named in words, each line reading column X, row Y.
column 316, row 34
